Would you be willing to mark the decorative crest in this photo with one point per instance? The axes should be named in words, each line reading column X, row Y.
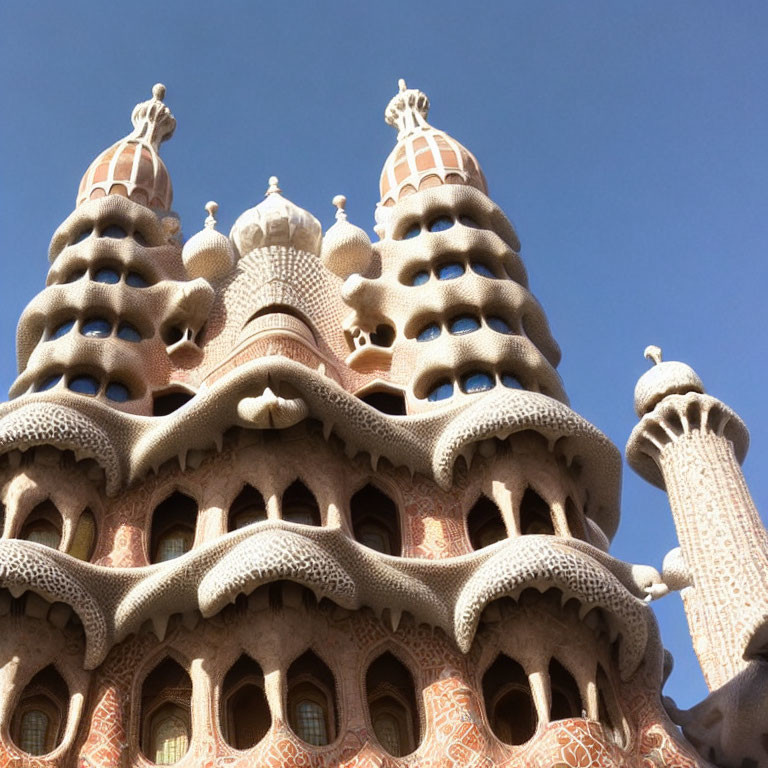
column 652, row 352
column 407, row 111
column 211, row 206
column 340, row 201
column 274, row 187
column 152, row 120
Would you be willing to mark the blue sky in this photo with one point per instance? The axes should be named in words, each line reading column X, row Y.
column 625, row 140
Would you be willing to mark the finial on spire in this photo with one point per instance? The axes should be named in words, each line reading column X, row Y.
column 652, row 352
column 340, row 201
column 273, row 186
column 211, row 206
column 408, row 110
column 152, row 120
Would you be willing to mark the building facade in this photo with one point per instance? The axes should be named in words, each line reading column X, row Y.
column 291, row 498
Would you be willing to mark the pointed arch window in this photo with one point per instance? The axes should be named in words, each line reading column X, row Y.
column 38, row 721
column 312, row 710
column 166, row 697
column 508, row 701
column 566, row 699
column 43, row 525
column 535, row 515
column 247, row 508
column 376, row 520
column 84, row 541
column 299, row 505
column 173, row 527
column 485, row 524
column 245, row 715
column 392, row 705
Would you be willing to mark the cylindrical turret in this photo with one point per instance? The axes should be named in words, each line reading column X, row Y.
column 691, row 445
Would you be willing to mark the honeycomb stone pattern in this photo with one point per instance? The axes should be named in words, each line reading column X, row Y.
column 273, row 357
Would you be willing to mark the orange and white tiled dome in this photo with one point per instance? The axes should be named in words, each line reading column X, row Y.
column 424, row 156
column 132, row 167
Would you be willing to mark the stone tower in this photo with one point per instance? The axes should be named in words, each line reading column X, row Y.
column 290, row 498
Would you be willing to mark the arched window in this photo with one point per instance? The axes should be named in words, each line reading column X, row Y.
column 247, row 508
column 485, row 524
column 165, row 713
column 299, row 505
column 312, row 700
column 392, row 705
column 375, row 520
column 566, row 699
column 173, row 527
column 245, row 716
column 535, row 516
column 40, row 716
column 508, row 701
column 43, row 525
column 84, row 540
column 575, row 520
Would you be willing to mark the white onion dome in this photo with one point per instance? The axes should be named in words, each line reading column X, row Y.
column 276, row 221
column 424, row 156
column 208, row 254
column 346, row 248
column 670, row 378
column 132, row 167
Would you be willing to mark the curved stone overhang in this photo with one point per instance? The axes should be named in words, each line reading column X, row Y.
column 128, row 447
column 451, row 594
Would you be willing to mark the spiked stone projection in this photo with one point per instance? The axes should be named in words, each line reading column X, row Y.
column 286, row 499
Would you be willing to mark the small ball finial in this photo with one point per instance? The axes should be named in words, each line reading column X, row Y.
column 211, row 206
column 340, row 202
column 401, row 85
column 274, row 183
column 158, row 91
column 652, row 352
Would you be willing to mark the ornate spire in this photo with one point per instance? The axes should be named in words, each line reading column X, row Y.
column 346, row 248
column 423, row 156
column 132, row 167
column 407, row 111
column 208, row 254
column 152, row 120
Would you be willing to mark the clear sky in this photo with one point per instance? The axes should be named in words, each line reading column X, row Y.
column 625, row 140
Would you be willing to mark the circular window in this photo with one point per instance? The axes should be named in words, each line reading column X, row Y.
column 62, row 330
column 82, row 235
column 49, row 383
column 463, row 324
column 498, row 324
column 420, row 278
column 413, row 231
column 440, row 224
column 107, row 275
column 96, row 328
column 84, row 385
column 135, row 280
column 117, row 392
column 508, row 380
column 480, row 269
column 477, row 381
column 127, row 332
column 432, row 331
column 441, row 391
column 114, row 231
column 450, row 271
